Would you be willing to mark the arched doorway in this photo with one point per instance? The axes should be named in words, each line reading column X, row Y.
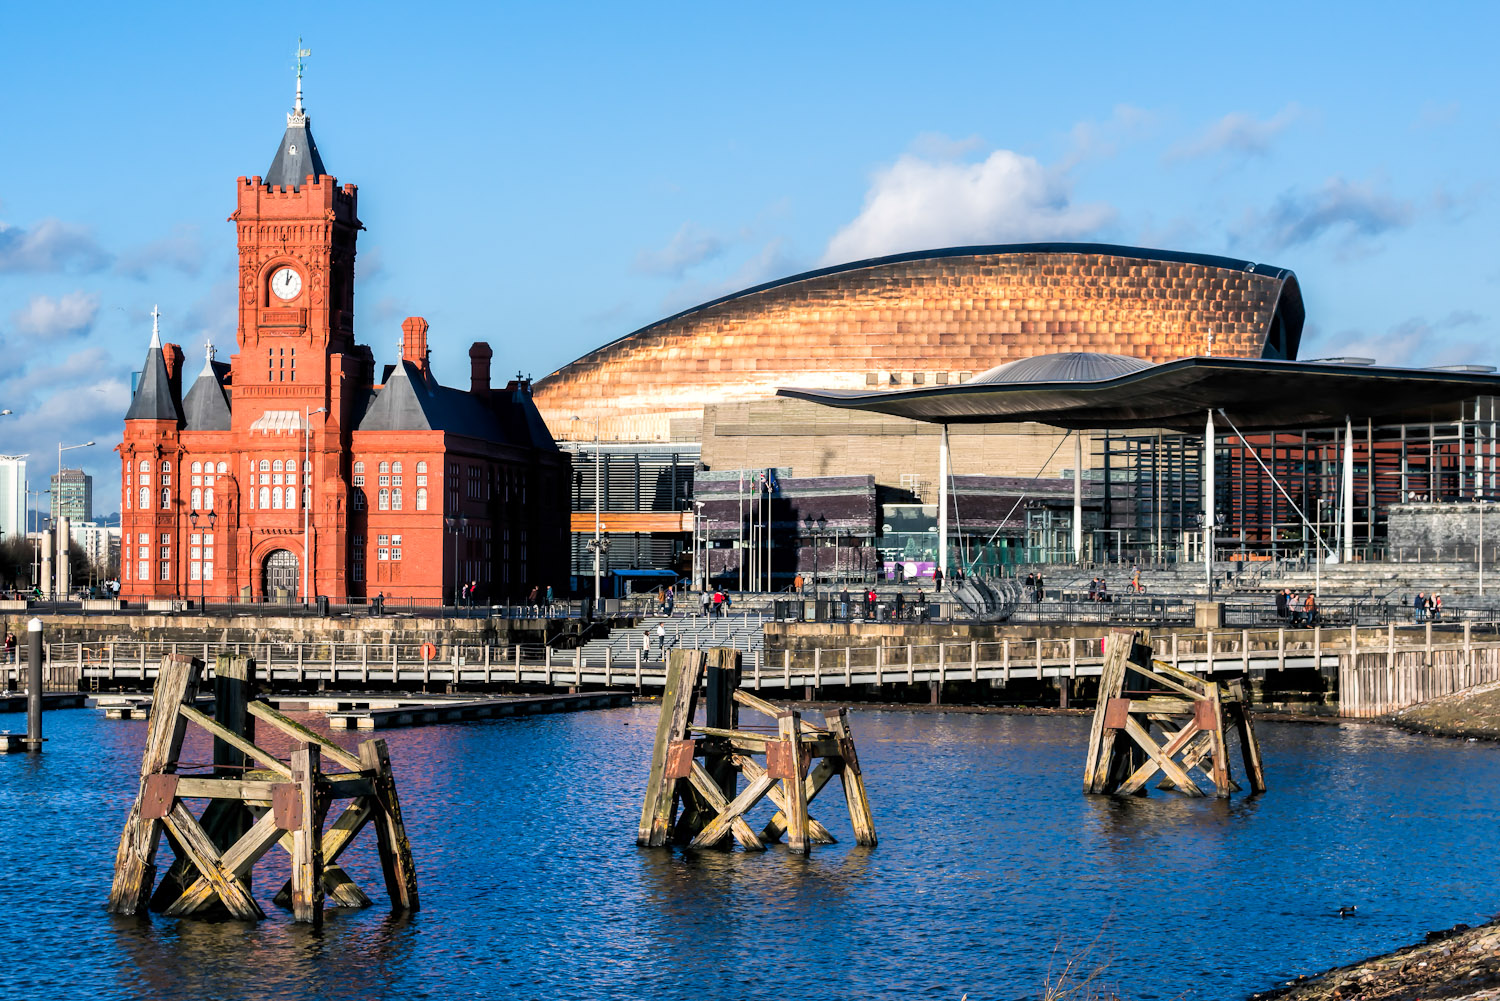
column 281, row 574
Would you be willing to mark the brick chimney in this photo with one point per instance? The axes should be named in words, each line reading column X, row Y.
column 173, row 356
column 479, row 369
column 414, row 342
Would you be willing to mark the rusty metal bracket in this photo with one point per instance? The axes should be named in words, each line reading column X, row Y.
column 286, row 805
column 680, row 759
column 1116, row 713
column 1204, row 715
column 782, row 760
column 158, row 796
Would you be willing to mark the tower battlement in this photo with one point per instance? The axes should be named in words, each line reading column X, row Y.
column 256, row 199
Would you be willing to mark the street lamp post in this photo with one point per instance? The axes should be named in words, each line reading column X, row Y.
column 597, row 545
column 456, row 525
column 57, row 573
column 700, row 568
column 306, row 488
column 202, row 563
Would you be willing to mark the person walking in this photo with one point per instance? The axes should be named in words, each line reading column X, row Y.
column 844, row 603
column 1041, row 588
column 671, row 598
column 1310, row 607
column 870, row 598
column 1293, row 609
column 549, row 595
column 10, row 647
column 1418, row 605
column 1281, row 603
column 706, row 600
column 661, row 641
column 937, row 579
column 718, row 604
column 646, row 643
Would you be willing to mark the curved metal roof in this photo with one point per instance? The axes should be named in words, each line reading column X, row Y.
column 1068, row 366
column 1256, row 393
column 1293, row 296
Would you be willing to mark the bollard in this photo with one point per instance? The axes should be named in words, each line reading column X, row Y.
column 34, row 685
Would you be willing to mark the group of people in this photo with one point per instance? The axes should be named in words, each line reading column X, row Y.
column 1035, row 586
column 661, row 642
column 715, row 603
column 666, row 599
column 537, row 595
column 1426, row 608
column 1301, row 610
column 1099, row 590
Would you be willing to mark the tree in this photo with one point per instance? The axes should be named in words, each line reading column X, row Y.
column 15, row 562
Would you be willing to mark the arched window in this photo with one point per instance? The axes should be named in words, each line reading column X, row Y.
column 385, row 500
column 396, row 499
column 166, row 465
column 291, row 498
column 421, row 498
column 276, row 466
column 276, row 499
column 222, row 468
column 145, row 465
column 265, row 466
column 166, row 498
column 396, row 467
column 385, row 467
column 307, row 466
column 422, row 466
column 359, row 467
column 198, row 467
column 197, row 500
column 145, row 498
column 208, row 498
column 265, row 497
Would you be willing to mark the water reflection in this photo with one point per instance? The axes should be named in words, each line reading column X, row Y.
column 991, row 867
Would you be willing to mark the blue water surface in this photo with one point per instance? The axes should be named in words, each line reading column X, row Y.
column 993, row 870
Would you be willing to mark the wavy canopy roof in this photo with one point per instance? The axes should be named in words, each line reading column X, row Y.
column 1255, row 393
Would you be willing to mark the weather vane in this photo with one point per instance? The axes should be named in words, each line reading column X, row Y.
column 301, row 55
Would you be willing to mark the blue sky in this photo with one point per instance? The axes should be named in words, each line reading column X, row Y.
column 549, row 177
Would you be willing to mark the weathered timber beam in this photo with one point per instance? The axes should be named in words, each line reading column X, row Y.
column 396, row 862
column 710, row 791
column 298, row 732
column 1143, row 739
column 234, row 740
column 236, row 862
column 1175, row 743
column 339, row 835
column 816, row 779
column 338, row 787
column 721, row 825
column 135, row 857
column 200, row 850
column 765, row 708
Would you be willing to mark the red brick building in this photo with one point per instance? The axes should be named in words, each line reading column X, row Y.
column 291, row 470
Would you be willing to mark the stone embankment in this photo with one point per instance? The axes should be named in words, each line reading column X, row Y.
column 1460, row 964
column 1472, row 713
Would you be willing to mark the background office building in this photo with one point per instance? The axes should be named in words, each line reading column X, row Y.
column 12, row 496
column 72, row 496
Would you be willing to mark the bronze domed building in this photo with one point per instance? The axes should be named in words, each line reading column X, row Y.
column 932, row 317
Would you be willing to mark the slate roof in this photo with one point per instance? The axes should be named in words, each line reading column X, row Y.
column 205, row 407
column 296, row 157
column 410, row 401
column 153, row 394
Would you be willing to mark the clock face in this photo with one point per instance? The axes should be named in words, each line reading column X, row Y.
column 286, row 283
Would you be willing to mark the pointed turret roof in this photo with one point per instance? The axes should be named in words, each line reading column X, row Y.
column 153, row 395
column 205, row 407
column 297, row 156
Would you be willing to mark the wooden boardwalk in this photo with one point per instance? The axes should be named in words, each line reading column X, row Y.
column 1418, row 662
column 379, row 717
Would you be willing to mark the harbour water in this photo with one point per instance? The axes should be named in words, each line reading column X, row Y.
column 992, row 869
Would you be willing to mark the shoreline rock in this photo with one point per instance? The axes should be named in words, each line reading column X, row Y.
column 1456, row 964
column 1473, row 713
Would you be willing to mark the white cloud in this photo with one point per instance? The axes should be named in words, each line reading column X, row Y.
column 920, row 203
column 1355, row 209
column 47, row 318
column 1237, row 134
column 1416, row 341
column 689, row 247
column 182, row 250
column 50, row 245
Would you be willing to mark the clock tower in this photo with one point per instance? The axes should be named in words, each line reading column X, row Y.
column 296, row 374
